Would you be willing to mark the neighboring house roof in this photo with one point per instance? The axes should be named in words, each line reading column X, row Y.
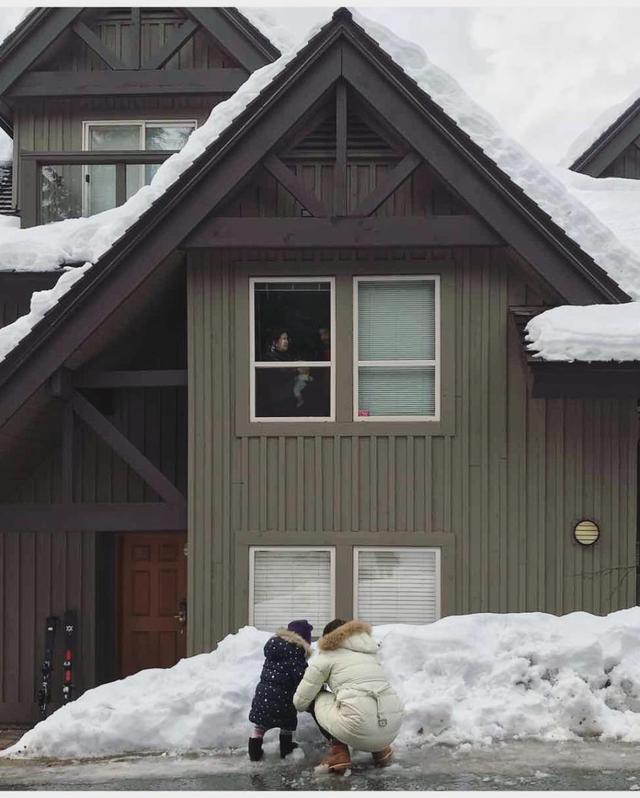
column 41, row 27
column 611, row 133
column 498, row 178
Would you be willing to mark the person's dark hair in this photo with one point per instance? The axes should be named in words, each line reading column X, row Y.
column 277, row 332
column 332, row 626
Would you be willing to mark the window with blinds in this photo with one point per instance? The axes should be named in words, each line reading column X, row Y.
column 400, row 585
column 286, row 583
column 396, row 348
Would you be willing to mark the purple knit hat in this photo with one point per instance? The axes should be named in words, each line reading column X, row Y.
column 302, row 628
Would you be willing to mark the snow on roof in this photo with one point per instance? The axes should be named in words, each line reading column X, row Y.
column 595, row 332
column 591, row 333
column 85, row 240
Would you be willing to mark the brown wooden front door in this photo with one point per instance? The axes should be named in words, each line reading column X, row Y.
column 153, row 593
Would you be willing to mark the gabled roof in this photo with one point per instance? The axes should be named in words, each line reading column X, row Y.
column 609, row 136
column 242, row 130
column 43, row 26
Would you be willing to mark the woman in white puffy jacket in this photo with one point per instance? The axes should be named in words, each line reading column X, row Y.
column 360, row 709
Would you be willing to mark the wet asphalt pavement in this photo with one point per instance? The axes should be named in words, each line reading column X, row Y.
column 513, row 766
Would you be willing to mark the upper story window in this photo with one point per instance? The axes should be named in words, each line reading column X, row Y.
column 292, row 354
column 396, row 348
column 100, row 181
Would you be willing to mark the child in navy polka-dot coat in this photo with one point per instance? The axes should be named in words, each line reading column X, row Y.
column 286, row 655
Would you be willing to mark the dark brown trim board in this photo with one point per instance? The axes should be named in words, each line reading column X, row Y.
column 594, row 380
column 434, row 231
column 129, row 82
column 163, row 378
column 133, row 517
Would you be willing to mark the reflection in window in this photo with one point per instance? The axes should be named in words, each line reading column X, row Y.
column 133, row 136
column 291, row 582
column 60, row 192
column 396, row 585
column 292, row 348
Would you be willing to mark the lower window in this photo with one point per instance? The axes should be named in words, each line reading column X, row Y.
column 396, row 585
column 291, row 582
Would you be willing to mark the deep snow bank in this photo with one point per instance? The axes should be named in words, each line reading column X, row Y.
column 474, row 678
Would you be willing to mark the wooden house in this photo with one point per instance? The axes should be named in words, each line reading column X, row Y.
column 296, row 385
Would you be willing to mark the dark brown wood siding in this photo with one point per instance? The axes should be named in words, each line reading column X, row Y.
column 627, row 164
column 46, row 573
column 421, row 194
column 16, row 290
column 42, row 574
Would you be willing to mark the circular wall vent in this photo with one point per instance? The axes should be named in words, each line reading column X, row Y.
column 586, row 532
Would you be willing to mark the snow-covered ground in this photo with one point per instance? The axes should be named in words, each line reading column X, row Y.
column 476, row 679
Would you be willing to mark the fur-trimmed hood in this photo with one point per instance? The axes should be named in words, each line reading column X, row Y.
column 293, row 637
column 354, row 635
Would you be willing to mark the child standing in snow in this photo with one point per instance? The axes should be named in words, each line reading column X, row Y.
column 286, row 655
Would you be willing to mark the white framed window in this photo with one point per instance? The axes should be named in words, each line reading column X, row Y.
column 290, row 582
column 396, row 584
column 396, row 345
column 292, row 354
column 111, row 135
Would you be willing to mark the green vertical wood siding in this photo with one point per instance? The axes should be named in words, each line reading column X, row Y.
column 501, row 494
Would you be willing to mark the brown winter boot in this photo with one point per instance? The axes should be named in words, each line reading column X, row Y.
column 382, row 758
column 338, row 759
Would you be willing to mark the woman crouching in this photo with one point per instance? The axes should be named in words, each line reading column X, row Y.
column 362, row 710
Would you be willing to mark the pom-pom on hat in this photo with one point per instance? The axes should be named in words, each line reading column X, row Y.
column 302, row 628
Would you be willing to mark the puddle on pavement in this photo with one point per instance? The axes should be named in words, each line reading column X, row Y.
column 512, row 766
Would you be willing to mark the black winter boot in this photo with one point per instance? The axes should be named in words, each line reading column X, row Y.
column 255, row 749
column 286, row 745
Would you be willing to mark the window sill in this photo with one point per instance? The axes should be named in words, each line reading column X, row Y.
column 443, row 427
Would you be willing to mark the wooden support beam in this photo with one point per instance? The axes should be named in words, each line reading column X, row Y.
column 67, row 517
column 580, row 380
column 373, row 231
column 121, row 184
column 295, row 186
column 136, row 32
column 218, row 80
column 165, row 378
column 126, row 450
column 51, row 24
column 174, row 43
column 391, row 182
column 225, row 32
column 340, row 174
column 67, row 453
column 96, row 44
